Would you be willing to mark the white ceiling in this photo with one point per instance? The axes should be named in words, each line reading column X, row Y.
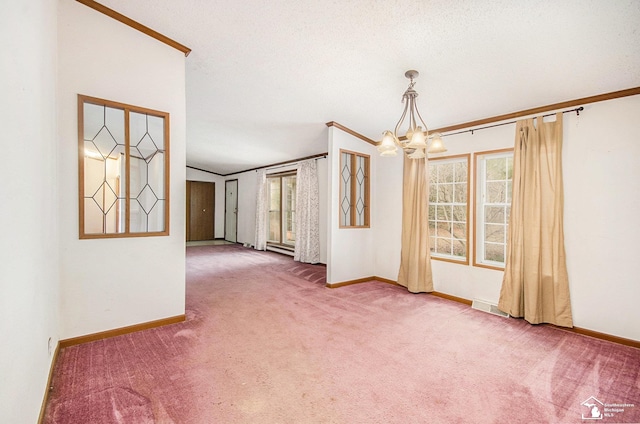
column 264, row 77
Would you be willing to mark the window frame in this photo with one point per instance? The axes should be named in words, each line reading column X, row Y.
column 353, row 189
column 127, row 110
column 453, row 159
column 280, row 176
column 479, row 204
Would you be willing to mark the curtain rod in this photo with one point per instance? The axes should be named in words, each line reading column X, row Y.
column 293, row 163
column 576, row 110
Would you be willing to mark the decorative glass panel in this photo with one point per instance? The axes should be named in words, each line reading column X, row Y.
column 354, row 190
column 361, row 175
column 345, row 185
column 123, row 170
column 103, row 150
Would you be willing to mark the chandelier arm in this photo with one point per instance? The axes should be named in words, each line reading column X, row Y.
column 412, row 116
column 426, row 130
column 395, row 131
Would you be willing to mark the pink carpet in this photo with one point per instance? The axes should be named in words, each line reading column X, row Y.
column 266, row 342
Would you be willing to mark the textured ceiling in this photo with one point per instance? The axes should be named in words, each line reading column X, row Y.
column 264, row 77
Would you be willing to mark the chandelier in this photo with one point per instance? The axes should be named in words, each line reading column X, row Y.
column 416, row 140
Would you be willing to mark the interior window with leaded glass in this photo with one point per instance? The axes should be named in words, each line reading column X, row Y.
column 123, row 169
column 354, row 189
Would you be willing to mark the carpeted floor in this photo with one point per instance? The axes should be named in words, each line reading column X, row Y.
column 266, row 342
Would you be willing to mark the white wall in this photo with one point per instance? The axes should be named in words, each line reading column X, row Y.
column 351, row 251
column 29, row 276
column 105, row 281
column 602, row 199
column 387, row 215
column 196, row 175
column 601, row 161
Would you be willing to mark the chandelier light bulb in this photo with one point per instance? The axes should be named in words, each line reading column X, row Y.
column 418, row 139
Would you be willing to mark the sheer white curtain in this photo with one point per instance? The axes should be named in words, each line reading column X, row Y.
column 261, row 211
column 307, row 214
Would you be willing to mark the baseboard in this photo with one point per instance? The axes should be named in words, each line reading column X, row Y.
column 598, row 335
column 348, row 283
column 45, row 399
column 576, row 330
column 454, row 298
column 120, row 331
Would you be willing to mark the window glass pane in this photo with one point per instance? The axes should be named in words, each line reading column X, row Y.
column 443, row 213
column 443, row 245
column 461, row 171
column 433, row 193
column 460, row 214
column 460, row 231
column 496, row 169
column 448, row 206
column 445, row 173
column 445, row 193
column 494, row 214
column 459, row 248
column 289, row 218
column 444, row 229
column 494, row 252
column 360, row 190
column 274, row 210
column 345, row 189
column 460, row 193
column 495, row 173
column 494, row 233
column 496, row 192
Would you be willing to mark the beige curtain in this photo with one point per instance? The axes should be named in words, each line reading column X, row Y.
column 535, row 284
column 415, row 257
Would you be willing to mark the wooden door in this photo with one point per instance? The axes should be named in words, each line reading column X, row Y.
column 200, row 210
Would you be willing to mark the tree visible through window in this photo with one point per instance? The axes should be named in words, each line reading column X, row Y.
column 495, row 174
column 282, row 209
column 448, row 207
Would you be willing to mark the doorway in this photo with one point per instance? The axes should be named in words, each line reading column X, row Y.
column 200, row 210
column 231, row 211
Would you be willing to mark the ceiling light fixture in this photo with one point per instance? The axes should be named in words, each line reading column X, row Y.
column 416, row 141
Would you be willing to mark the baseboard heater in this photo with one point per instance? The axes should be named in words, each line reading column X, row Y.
column 484, row 306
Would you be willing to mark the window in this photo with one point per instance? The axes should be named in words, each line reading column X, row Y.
column 123, row 170
column 354, row 189
column 493, row 206
column 448, row 208
column 282, row 209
